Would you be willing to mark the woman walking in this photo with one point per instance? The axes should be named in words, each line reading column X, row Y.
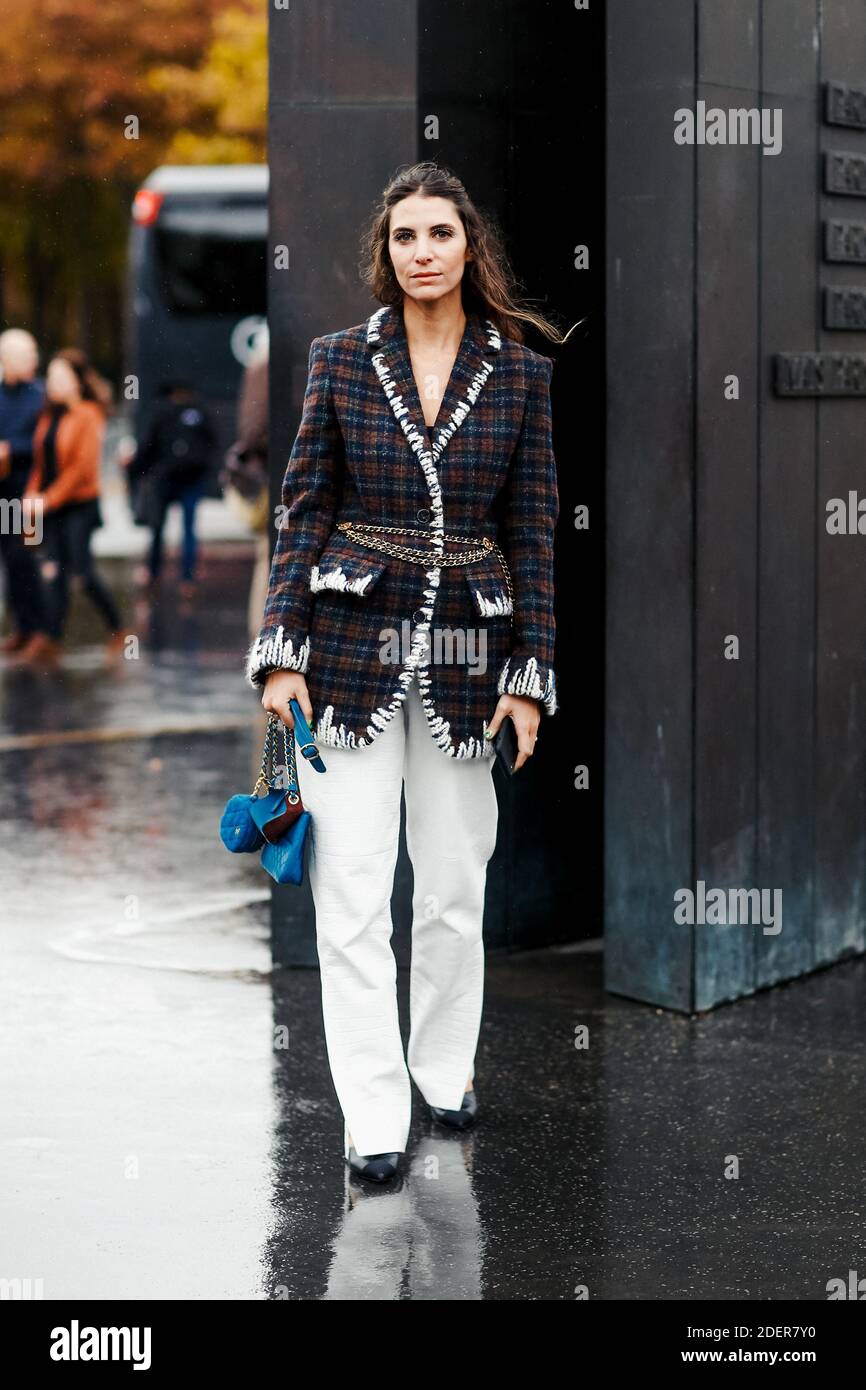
column 407, row 637
column 67, row 449
column 176, row 456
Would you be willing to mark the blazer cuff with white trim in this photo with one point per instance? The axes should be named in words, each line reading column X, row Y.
column 275, row 651
column 522, row 675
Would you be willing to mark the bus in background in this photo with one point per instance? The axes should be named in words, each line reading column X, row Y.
column 197, row 286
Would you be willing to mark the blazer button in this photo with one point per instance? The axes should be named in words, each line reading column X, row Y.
column 423, row 513
column 417, row 616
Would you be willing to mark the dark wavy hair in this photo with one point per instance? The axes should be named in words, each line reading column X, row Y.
column 489, row 285
column 93, row 386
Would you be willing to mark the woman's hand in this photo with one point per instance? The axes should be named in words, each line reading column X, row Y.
column 280, row 688
column 526, row 714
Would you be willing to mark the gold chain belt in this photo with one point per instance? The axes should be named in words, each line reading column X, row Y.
column 360, row 531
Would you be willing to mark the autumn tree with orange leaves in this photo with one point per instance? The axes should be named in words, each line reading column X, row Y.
column 194, row 77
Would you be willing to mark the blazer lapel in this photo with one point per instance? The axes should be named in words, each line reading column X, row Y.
column 386, row 338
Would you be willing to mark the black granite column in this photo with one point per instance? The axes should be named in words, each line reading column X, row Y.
column 736, row 695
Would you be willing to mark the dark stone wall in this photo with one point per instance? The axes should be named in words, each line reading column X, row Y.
column 743, row 773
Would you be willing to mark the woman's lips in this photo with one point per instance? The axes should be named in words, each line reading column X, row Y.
column 427, row 275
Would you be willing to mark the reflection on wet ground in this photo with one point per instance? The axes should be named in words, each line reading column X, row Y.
column 169, row 1128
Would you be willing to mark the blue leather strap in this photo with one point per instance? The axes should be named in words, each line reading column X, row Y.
column 304, row 738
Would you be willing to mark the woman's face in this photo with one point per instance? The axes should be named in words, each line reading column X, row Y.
column 61, row 383
column 428, row 247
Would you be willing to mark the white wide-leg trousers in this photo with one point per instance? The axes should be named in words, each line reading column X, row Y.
column 451, row 819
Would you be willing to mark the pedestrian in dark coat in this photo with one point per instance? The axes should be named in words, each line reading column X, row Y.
column 172, row 465
column 22, row 396
column 410, row 612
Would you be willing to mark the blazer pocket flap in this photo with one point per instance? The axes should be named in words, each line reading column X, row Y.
column 488, row 587
column 348, row 567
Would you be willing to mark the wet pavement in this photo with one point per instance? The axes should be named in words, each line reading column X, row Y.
column 169, row 1129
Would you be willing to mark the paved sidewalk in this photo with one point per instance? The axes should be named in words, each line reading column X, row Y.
column 170, row 1129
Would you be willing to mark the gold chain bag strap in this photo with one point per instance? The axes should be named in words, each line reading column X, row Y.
column 365, row 533
column 269, row 771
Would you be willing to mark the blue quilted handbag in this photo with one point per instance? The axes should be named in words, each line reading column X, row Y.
column 276, row 822
column 238, row 830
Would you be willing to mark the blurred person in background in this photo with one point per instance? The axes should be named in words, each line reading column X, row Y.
column 67, row 451
column 244, row 477
column 22, row 396
column 171, row 465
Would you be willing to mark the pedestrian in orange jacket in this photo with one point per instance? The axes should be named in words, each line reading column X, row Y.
column 67, row 448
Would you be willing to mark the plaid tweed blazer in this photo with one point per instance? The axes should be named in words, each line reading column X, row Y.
column 360, row 624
